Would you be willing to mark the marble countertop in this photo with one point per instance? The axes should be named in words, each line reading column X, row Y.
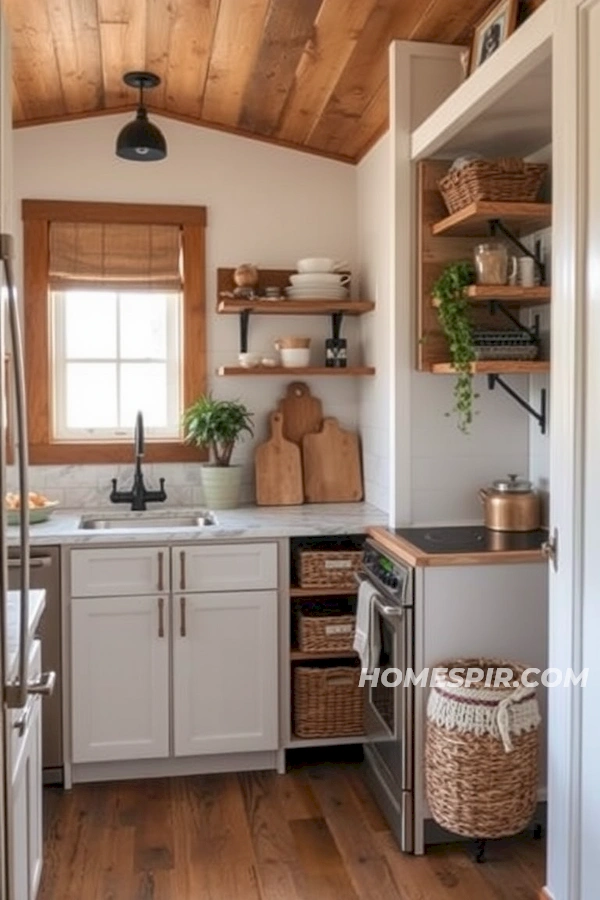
column 37, row 602
column 244, row 523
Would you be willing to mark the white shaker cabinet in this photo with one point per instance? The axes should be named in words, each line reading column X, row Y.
column 225, row 567
column 120, row 678
column 119, row 571
column 225, row 672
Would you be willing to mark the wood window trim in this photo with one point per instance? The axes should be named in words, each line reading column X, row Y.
column 37, row 215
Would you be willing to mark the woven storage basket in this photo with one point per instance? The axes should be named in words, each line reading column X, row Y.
column 481, row 754
column 329, row 568
column 509, row 180
column 327, row 702
column 320, row 630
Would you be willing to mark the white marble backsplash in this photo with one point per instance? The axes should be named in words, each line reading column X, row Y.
column 81, row 487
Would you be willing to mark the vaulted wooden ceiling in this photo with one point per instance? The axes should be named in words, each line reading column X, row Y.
column 307, row 73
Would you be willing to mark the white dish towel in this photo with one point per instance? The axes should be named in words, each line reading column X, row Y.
column 366, row 637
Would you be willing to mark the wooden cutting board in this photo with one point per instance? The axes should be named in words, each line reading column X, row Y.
column 332, row 471
column 278, row 468
column 302, row 413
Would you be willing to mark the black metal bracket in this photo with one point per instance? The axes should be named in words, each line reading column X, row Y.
column 244, row 322
column 534, row 333
column 498, row 225
column 540, row 417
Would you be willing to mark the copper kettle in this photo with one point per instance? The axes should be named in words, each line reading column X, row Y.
column 511, row 505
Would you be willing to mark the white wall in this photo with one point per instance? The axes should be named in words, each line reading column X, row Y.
column 374, row 210
column 266, row 204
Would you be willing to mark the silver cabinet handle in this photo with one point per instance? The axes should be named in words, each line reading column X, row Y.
column 21, row 724
column 44, row 685
column 161, row 617
column 182, row 579
column 183, row 627
column 161, row 570
column 35, row 562
column 16, row 693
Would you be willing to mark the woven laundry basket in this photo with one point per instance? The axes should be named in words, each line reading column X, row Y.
column 481, row 753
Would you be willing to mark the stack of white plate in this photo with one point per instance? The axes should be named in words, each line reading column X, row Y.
column 317, row 286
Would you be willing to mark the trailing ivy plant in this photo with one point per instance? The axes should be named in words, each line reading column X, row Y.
column 449, row 292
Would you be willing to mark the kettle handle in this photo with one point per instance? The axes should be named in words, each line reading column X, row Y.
column 483, row 494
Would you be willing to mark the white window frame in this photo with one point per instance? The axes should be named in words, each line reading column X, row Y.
column 59, row 360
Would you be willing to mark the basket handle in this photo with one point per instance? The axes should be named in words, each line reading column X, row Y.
column 340, row 680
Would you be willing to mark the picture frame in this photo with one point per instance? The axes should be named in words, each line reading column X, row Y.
column 492, row 31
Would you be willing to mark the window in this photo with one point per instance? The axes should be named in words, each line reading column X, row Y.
column 122, row 349
column 114, row 323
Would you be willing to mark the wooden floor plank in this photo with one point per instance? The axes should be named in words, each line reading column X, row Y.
column 312, row 834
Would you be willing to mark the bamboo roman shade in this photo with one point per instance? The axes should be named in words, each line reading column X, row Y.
column 88, row 255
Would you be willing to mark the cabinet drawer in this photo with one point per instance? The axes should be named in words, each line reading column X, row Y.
column 119, row 572
column 20, row 719
column 225, row 567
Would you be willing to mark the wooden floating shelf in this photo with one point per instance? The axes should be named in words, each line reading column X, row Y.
column 296, row 742
column 323, row 592
column 472, row 221
column 498, row 367
column 523, row 296
column 301, row 656
column 295, row 307
column 305, row 371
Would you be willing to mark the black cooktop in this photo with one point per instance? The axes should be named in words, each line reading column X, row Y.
column 470, row 539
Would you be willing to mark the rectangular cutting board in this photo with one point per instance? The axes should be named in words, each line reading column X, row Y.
column 331, row 460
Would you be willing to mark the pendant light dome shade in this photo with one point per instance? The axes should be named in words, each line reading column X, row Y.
column 140, row 140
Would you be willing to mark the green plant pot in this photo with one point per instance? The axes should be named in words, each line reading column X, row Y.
column 221, row 486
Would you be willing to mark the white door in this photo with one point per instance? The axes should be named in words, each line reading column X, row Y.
column 225, row 567
column 120, row 678
column 34, row 800
column 225, row 672
column 25, row 837
column 574, row 627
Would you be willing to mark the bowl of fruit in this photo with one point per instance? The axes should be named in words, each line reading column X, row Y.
column 39, row 507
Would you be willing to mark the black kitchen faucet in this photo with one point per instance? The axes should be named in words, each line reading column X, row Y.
column 138, row 496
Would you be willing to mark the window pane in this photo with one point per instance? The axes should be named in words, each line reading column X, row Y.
column 144, row 386
column 143, row 322
column 90, row 324
column 91, row 400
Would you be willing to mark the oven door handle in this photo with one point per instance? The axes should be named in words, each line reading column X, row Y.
column 390, row 611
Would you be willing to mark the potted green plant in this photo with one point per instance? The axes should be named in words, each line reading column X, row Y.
column 449, row 294
column 218, row 425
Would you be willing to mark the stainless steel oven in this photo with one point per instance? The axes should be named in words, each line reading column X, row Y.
column 389, row 725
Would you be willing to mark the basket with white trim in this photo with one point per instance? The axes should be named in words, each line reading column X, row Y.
column 481, row 751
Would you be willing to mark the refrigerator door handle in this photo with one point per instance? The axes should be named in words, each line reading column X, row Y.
column 16, row 692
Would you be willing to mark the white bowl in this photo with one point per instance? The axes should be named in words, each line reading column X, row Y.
column 319, row 264
column 324, row 279
column 295, row 357
column 249, row 360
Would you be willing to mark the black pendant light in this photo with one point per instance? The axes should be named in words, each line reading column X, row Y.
column 140, row 140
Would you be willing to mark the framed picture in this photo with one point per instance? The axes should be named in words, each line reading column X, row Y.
column 492, row 31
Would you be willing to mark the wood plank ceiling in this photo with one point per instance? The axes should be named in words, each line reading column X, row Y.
column 307, row 73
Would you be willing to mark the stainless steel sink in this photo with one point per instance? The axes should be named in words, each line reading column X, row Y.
column 146, row 522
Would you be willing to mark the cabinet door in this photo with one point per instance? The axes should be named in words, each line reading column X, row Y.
column 119, row 572
column 225, row 567
column 120, row 678
column 225, row 672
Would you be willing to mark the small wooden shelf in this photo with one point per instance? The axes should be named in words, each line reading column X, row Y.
column 323, row 592
column 295, row 307
column 297, row 743
column 301, row 656
column 305, row 371
column 498, row 367
column 472, row 221
column 522, row 296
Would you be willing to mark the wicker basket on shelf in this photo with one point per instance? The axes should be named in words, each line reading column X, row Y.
column 328, row 702
column 505, row 180
column 481, row 753
column 323, row 628
column 329, row 568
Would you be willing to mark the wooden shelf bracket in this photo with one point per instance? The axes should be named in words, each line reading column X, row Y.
column 498, row 225
column 541, row 416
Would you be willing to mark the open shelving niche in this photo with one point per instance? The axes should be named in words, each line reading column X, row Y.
column 246, row 308
column 297, row 594
column 443, row 239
